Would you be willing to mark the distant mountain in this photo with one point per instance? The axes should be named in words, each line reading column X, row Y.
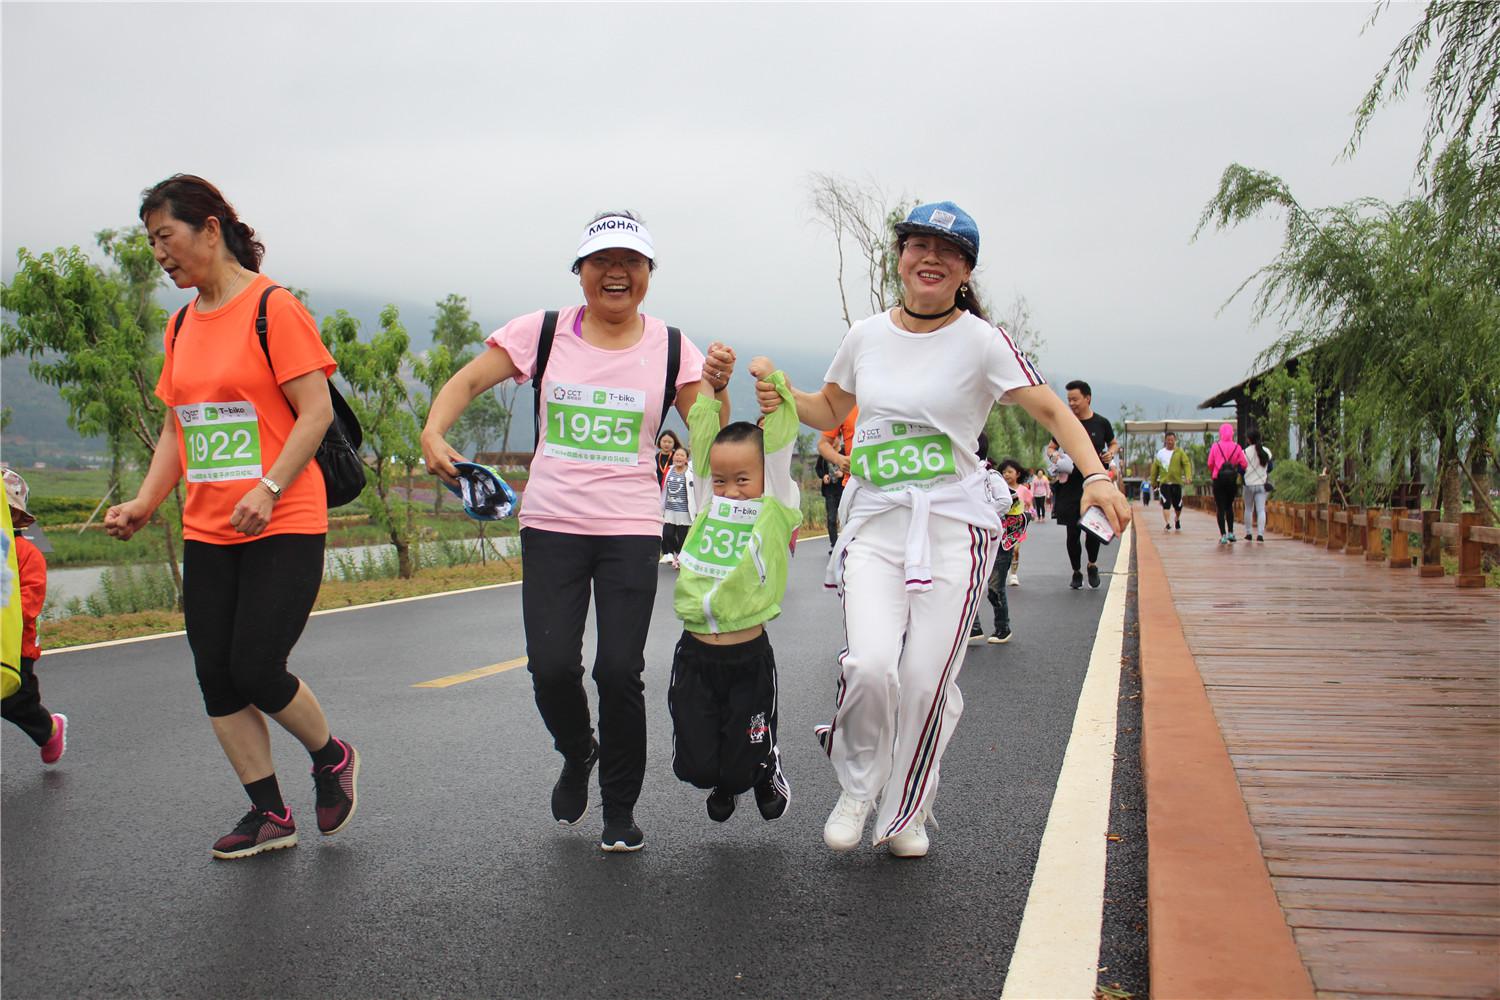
column 39, row 430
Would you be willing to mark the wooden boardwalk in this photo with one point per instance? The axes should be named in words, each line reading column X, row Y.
column 1361, row 709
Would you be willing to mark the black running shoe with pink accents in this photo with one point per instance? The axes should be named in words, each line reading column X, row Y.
column 257, row 831
column 336, row 788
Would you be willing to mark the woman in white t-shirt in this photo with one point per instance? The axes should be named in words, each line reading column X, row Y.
column 678, row 506
column 591, row 518
column 921, row 520
column 1257, row 470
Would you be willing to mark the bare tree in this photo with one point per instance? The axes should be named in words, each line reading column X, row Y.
column 1022, row 328
column 860, row 216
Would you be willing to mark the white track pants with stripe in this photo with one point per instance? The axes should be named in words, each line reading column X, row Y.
column 898, row 697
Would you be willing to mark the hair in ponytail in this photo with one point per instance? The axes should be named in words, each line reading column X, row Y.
column 194, row 201
column 967, row 299
column 1252, row 437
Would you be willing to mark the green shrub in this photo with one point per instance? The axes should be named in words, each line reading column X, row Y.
column 1294, row 482
column 62, row 510
column 127, row 589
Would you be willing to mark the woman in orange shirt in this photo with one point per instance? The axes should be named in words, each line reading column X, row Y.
column 242, row 424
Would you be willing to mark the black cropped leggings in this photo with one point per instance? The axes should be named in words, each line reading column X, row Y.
column 1078, row 539
column 245, row 606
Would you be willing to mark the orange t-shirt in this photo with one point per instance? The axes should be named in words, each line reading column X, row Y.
column 842, row 436
column 232, row 417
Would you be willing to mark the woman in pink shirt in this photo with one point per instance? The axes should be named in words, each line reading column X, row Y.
column 591, row 520
column 1226, row 461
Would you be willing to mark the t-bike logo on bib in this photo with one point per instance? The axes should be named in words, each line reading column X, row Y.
column 594, row 423
column 222, row 441
column 895, row 455
column 715, row 545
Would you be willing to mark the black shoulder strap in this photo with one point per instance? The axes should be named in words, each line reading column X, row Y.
column 543, row 352
column 262, row 327
column 177, row 324
column 674, row 363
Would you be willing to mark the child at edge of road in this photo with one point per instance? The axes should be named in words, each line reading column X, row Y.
column 723, row 691
column 1012, row 532
column 48, row 730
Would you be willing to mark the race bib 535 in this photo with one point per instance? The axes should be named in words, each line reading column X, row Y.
column 717, row 543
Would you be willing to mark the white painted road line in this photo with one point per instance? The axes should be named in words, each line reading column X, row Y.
column 1057, row 952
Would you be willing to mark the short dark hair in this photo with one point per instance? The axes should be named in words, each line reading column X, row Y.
column 1082, row 387
column 622, row 214
column 1170, row 434
column 741, row 431
column 1021, row 474
column 194, row 201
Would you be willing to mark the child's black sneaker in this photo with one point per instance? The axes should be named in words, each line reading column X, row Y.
column 621, row 834
column 720, row 805
column 976, row 634
column 257, row 831
column 773, row 794
column 570, row 796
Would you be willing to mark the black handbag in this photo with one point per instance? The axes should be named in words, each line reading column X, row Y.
column 338, row 453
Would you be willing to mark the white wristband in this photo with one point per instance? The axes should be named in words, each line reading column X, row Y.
column 1097, row 475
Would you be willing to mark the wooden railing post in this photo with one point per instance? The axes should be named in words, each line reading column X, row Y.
column 1336, row 531
column 1469, row 572
column 1432, row 546
column 1354, row 534
column 1374, row 541
column 1320, row 524
column 1400, row 543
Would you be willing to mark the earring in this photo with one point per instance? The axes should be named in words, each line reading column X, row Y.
column 963, row 289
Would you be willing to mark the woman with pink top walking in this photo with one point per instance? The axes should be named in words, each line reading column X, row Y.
column 1226, row 461
column 606, row 375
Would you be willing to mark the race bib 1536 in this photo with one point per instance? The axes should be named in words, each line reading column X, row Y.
column 594, row 423
column 897, row 454
column 717, row 543
column 222, row 441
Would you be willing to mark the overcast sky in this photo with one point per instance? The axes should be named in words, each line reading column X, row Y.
column 404, row 152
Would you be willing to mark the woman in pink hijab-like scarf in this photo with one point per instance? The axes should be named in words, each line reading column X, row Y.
column 1226, row 461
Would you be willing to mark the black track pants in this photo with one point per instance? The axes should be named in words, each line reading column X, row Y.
column 723, row 705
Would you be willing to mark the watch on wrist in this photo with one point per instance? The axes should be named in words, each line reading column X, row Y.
column 271, row 487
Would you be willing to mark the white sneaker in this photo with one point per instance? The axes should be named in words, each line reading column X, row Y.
column 911, row 842
column 1015, row 581
column 846, row 824
column 666, row 558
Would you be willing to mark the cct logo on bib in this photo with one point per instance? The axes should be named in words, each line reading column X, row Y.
column 222, row 441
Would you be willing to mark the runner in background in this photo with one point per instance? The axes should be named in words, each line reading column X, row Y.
column 1171, row 469
column 922, row 520
column 679, row 506
column 47, row 729
column 591, row 520
column 243, row 424
column 834, row 447
column 1067, row 492
column 1041, row 489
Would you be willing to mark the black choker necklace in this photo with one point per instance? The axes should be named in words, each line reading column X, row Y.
column 917, row 315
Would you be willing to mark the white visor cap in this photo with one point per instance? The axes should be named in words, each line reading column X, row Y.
column 615, row 231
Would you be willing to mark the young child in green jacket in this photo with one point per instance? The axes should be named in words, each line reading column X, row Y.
column 733, row 576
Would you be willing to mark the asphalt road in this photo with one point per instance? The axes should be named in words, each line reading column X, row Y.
column 454, row 881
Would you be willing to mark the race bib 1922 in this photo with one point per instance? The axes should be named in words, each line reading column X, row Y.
column 594, row 423
column 717, row 543
column 897, row 454
column 222, row 441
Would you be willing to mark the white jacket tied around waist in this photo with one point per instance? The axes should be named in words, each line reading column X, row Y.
column 979, row 500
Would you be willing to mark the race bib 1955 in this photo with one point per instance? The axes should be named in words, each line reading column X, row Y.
column 222, row 441
column 897, row 454
column 594, row 423
column 717, row 543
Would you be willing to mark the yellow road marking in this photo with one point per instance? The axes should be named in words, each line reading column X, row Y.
column 472, row 675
